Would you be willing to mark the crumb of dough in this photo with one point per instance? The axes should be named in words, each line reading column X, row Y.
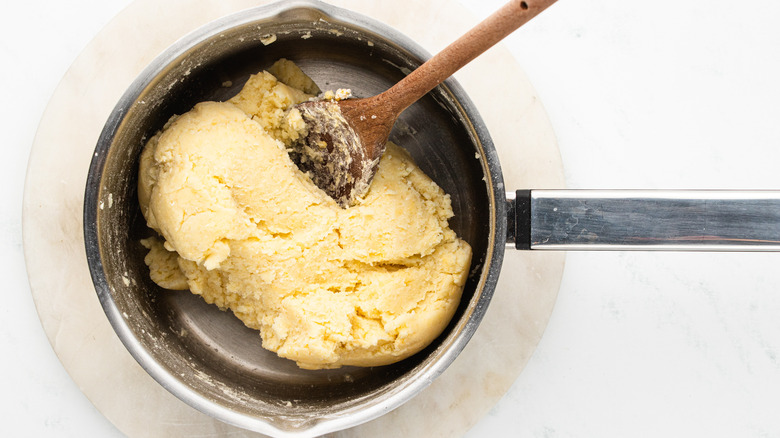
column 340, row 94
column 268, row 39
column 242, row 227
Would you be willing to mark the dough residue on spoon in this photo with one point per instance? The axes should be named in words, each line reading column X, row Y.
column 332, row 154
column 242, row 226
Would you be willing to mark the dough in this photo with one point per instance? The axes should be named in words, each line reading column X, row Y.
column 241, row 226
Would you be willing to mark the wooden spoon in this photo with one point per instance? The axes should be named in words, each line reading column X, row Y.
column 346, row 139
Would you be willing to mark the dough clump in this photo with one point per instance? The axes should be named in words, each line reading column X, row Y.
column 241, row 226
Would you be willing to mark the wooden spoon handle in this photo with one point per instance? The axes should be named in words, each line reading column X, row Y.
column 482, row 37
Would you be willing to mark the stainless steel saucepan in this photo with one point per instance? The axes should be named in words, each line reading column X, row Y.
column 210, row 360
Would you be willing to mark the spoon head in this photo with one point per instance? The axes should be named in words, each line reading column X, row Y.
column 333, row 154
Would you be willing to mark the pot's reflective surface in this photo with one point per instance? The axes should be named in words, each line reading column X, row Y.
column 207, row 357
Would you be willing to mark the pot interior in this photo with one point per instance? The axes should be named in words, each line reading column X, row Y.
column 206, row 356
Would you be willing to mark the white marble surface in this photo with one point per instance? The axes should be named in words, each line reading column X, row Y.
column 640, row 96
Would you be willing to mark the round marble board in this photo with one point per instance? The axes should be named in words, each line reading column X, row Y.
column 53, row 240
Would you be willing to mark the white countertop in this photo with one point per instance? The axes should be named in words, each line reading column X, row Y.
column 639, row 344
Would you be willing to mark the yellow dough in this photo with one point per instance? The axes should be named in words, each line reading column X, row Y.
column 241, row 226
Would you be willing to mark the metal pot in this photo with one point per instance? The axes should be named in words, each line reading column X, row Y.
column 210, row 360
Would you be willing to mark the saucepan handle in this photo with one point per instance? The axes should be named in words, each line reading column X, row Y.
column 684, row 220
